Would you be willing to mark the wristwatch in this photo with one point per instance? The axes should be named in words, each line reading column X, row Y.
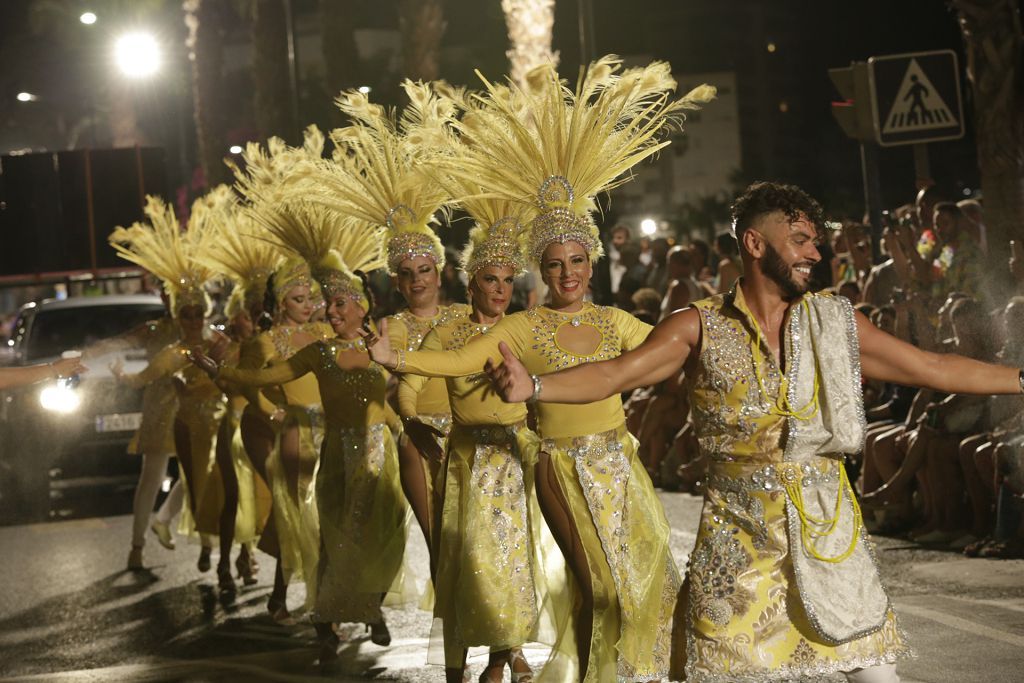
column 1020, row 379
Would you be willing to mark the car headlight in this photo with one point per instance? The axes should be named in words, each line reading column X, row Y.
column 60, row 398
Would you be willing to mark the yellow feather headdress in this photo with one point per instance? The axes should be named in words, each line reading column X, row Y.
column 168, row 252
column 377, row 172
column 238, row 254
column 495, row 238
column 333, row 245
column 556, row 149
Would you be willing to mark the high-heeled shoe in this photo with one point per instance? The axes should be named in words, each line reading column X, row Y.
column 279, row 612
column 135, row 558
column 163, row 533
column 225, row 582
column 379, row 633
column 204, row 563
column 516, row 655
column 245, row 572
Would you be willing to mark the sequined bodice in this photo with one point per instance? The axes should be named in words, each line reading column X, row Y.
column 546, row 323
column 417, row 328
column 351, row 398
column 732, row 418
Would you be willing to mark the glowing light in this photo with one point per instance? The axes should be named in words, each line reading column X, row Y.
column 648, row 226
column 783, row 106
column 365, row 89
column 770, row 47
column 235, row 149
column 87, row 18
column 137, row 55
column 26, row 97
column 530, row 24
column 60, row 398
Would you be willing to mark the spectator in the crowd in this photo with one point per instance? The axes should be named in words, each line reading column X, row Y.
column 619, row 238
column 453, row 288
column 701, row 255
column 730, row 267
column 657, row 273
column 524, row 292
column 851, row 290
column 633, row 278
column 975, row 222
column 683, row 288
column 646, row 305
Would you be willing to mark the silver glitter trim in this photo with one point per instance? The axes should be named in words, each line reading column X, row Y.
column 792, row 518
column 797, row 675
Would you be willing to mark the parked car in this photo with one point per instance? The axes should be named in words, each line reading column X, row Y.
column 69, row 435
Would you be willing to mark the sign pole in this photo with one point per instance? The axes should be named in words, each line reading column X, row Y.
column 922, row 168
column 872, row 195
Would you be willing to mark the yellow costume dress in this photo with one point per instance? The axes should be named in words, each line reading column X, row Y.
column 159, row 400
column 201, row 406
column 621, row 523
column 407, row 331
column 362, row 512
column 752, row 612
column 492, row 569
column 294, row 509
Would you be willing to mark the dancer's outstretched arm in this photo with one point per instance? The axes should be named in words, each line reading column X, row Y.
column 658, row 358
column 886, row 358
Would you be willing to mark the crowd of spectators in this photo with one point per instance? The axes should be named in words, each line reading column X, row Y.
column 944, row 470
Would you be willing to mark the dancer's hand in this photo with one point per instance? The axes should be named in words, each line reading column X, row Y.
column 379, row 345
column 424, row 438
column 219, row 345
column 510, row 379
column 204, row 362
column 117, row 369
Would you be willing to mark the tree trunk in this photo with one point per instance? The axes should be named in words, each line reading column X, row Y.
column 341, row 55
column 270, row 68
column 421, row 24
column 530, row 23
column 995, row 68
column 205, row 42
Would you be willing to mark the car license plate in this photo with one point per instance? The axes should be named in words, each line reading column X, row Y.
column 118, row 422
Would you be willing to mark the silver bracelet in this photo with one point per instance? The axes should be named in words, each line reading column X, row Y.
column 1020, row 380
column 537, row 386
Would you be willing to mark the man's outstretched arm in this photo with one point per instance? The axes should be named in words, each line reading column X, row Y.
column 658, row 358
column 886, row 358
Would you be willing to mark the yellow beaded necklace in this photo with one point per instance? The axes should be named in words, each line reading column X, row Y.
column 781, row 405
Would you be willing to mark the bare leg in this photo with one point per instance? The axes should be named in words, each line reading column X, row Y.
column 229, row 478
column 559, row 518
column 897, row 489
column 871, row 475
column 978, row 491
column 412, row 471
column 154, row 469
column 172, row 503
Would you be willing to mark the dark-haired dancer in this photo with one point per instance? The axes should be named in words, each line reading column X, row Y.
column 782, row 581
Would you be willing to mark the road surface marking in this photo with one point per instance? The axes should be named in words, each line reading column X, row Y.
column 962, row 624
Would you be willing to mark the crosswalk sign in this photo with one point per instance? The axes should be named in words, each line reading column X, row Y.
column 916, row 98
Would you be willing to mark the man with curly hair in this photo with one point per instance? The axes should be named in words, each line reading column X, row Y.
column 782, row 582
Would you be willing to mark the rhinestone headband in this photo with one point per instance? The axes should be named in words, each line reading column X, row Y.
column 559, row 223
column 500, row 248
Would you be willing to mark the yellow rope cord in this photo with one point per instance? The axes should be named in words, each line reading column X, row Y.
column 809, row 535
column 781, row 405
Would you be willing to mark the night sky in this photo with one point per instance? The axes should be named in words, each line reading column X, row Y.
column 802, row 144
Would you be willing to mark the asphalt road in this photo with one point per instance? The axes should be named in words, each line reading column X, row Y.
column 69, row 612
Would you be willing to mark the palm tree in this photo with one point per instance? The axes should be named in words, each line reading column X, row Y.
column 341, row 56
column 271, row 79
column 995, row 60
column 421, row 25
column 530, row 23
column 205, row 22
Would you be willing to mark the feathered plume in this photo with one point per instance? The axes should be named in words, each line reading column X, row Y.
column 556, row 148
column 164, row 249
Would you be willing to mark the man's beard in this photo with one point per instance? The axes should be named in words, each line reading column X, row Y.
column 778, row 271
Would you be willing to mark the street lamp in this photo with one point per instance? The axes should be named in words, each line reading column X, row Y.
column 648, row 226
column 364, row 89
column 137, row 55
column 235, row 149
column 26, row 97
column 87, row 18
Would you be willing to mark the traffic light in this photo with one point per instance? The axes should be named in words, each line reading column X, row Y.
column 853, row 113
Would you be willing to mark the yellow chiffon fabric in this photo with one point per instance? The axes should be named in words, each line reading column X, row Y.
column 745, row 620
column 159, row 399
column 609, row 494
column 362, row 513
column 500, row 575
